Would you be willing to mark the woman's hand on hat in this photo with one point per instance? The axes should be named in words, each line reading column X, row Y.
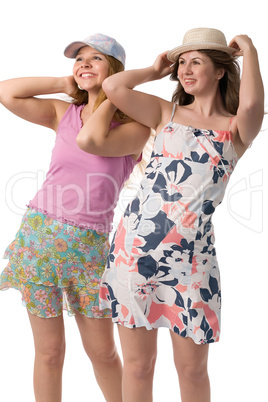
column 241, row 43
column 162, row 65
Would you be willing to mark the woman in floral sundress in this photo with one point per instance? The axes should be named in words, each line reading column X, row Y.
column 59, row 253
column 162, row 269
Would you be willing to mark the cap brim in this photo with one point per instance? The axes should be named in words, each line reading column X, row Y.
column 72, row 50
column 177, row 51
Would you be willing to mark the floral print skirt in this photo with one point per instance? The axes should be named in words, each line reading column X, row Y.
column 56, row 267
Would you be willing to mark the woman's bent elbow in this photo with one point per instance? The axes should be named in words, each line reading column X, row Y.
column 108, row 86
column 88, row 146
column 81, row 143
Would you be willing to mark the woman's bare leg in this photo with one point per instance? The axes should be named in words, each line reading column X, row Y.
column 191, row 364
column 49, row 341
column 98, row 341
column 139, row 348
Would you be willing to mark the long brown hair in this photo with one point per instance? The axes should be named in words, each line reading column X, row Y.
column 80, row 96
column 229, row 83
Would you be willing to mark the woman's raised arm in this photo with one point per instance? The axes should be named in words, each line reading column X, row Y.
column 144, row 108
column 126, row 139
column 251, row 96
column 18, row 96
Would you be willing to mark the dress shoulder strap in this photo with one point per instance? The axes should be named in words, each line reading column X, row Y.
column 231, row 121
column 173, row 111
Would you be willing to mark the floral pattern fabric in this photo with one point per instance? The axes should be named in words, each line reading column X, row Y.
column 162, row 270
column 56, row 267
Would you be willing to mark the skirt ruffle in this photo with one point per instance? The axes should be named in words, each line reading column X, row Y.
column 56, row 266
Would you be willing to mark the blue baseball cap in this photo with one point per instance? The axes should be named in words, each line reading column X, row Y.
column 103, row 43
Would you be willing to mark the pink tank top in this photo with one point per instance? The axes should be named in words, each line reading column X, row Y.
column 81, row 189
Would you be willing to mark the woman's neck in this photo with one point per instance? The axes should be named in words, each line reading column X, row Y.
column 208, row 106
column 88, row 109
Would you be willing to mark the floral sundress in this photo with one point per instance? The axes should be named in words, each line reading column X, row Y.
column 162, row 270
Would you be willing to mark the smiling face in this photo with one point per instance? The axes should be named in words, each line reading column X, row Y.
column 197, row 73
column 90, row 69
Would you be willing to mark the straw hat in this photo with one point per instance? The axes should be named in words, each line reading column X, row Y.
column 201, row 38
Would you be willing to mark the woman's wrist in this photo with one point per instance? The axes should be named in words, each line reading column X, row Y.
column 250, row 50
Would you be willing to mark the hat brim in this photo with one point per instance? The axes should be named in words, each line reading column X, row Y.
column 72, row 50
column 177, row 51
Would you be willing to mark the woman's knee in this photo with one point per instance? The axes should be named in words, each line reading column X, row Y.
column 103, row 354
column 140, row 367
column 193, row 373
column 139, row 348
column 52, row 354
column 49, row 339
column 190, row 359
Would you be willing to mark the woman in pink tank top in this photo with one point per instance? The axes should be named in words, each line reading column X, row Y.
column 58, row 255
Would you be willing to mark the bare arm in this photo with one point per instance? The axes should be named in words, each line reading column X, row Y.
column 96, row 137
column 251, row 96
column 144, row 108
column 18, row 95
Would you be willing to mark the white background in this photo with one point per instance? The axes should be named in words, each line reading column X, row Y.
column 33, row 36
